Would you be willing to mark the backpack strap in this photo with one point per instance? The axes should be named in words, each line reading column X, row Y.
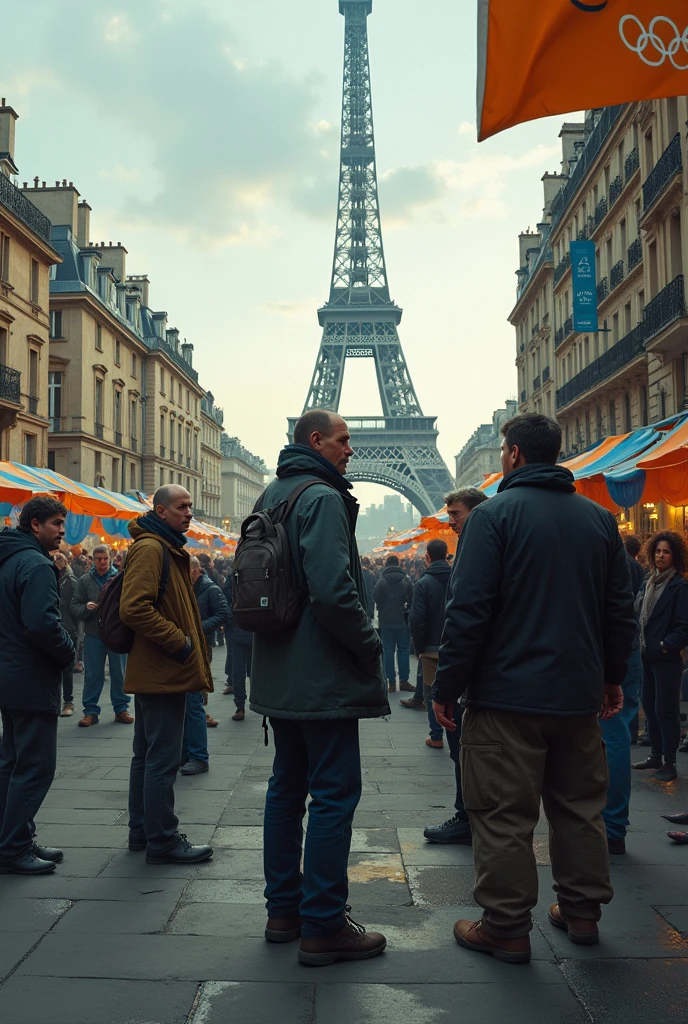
column 298, row 491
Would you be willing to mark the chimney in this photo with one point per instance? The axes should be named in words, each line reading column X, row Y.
column 187, row 352
column 8, row 117
column 525, row 242
column 571, row 133
column 552, row 185
column 59, row 203
column 141, row 282
column 172, row 336
column 83, row 231
column 159, row 324
column 115, row 257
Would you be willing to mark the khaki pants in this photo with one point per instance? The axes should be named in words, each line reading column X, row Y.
column 429, row 664
column 510, row 761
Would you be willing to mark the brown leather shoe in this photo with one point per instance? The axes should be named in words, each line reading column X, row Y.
column 352, row 942
column 88, row 720
column 435, row 744
column 472, row 935
column 406, row 687
column 212, row 723
column 239, row 715
column 283, row 929
column 415, row 705
column 125, row 718
column 581, row 930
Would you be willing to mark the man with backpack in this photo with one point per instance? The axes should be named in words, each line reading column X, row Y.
column 427, row 622
column 314, row 680
column 168, row 659
column 393, row 594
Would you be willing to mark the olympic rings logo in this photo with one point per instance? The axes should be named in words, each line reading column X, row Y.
column 651, row 39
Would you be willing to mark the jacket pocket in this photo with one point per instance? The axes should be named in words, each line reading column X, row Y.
column 481, row 775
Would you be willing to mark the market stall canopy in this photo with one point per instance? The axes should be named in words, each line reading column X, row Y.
column 77, row 497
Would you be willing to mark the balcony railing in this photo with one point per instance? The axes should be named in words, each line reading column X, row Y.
column 596, row 140
column 99, row 430
column 667, row 167
column 546, row 375
column 562, row 268
column 535, row 330
column 54, row 424
column 558, row 336
column 609, row 363
column 667, row 306
column 602, row 290
column 617, row 274
column 568, row 326
column 583, row 233
column 10, row 383
column 118, row 438
column 33, row 405
column 632, row 164
column 162, row 451
column 635, row 254
column 524, row 398
column 536, row 384
column 601, row 210
column 615, row 189
column 17, row 203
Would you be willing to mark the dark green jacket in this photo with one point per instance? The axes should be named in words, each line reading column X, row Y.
column 328, row 666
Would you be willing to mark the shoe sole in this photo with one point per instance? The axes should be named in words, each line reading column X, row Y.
column 578, row 938
column 284, row 936
column 498, row 954
column 676, row 819
column 326, row 959
column 43, row 871
column 173, row 860
column 136, row 847
column 191, row 774
column 449, row 842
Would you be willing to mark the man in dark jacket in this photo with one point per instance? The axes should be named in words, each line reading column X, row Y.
column 539, row 629
column 314, row 681
column 85, row 609
column 239, row 658
column 34, row 649
column 214, row 612
column 369, row 582
column 393, row 594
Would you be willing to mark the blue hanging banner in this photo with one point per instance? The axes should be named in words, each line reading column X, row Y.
column 584, row 284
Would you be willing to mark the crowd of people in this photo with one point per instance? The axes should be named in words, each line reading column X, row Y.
column 533, row 645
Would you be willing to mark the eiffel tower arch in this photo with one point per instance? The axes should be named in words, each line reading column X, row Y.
column 359, row 320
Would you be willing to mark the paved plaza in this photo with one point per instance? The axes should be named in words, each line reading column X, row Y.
column 108, row 940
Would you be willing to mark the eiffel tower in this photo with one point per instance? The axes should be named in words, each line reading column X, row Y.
column 399, row 448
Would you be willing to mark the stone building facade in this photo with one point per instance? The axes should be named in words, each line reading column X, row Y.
column 480, row 456
column 623, row 184
column 26, row 259
column 212, row 419
column 243, row 481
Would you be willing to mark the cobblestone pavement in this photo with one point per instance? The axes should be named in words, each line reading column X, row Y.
column 108, row 940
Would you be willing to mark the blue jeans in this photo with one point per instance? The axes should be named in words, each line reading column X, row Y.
column 95, row 653
column 323, row 758
column 241, row 667
column 195, row 742
column 396, row 638
column 616, row 734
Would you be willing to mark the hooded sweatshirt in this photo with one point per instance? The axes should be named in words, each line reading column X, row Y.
column 393, row 594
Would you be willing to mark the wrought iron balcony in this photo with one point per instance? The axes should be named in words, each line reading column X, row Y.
column 10, row 384
column 615, row 189
column 535, row 330
column 667, row 306
column 33, row 405
column 602, row 290
column 524, row 398
column 635, row 254
column 546, row 375
column 99, row 430
column 562, row 268
column 632, row 164
column 17, row 203
column 558, row 336
column 162, row 451
column 536, row 384
column 118, row 438
column 568, row 326
column 582, row 234
column 667, row 167
column 596, row 140
column 609, row 363
column 617, row 274
column 601, row 210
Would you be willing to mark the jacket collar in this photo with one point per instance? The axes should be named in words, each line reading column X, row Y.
column 674, row 583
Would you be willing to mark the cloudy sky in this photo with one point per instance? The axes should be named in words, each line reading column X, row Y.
column 205, row 136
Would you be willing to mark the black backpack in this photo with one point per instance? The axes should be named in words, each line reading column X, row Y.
column 112, row 631
column 265, row 597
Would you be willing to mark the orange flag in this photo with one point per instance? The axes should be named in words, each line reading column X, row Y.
column 541, row 57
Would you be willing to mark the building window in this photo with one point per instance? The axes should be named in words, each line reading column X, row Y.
column 115, row 475
column 133, row 417
column 33, row 381
column 99, row 408
column 4, row 257
column 51, row 458
column 188, row 400
column 162, row 381
column 133, row 364
column 118, row 352
column 118, row 417
column 179, row 438
column 99, row 338
column 3, row 346
column 132, row 476
column 55, row 399
column 30, row 449
column 172, row 441
column 35, row 281
column 56, row 323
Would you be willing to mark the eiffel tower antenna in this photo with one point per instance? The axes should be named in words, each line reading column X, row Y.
column 399, row 448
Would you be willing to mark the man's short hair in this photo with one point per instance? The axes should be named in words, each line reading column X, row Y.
column 437, row 551
column 100, row 549
column 468, row 496
column 632, row 545
column 204, row 560
column 165, row 495
column 537, row 437
column 391, row 560
column 194, row 562
column 41, row 508
column 314, row 419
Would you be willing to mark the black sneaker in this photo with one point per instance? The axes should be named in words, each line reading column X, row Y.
column 654, row 761
column 616, row 846
column 456, row 830
column 182, row 853
column 667, row 773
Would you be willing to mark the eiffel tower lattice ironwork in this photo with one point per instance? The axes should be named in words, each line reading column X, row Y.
column 399, row 448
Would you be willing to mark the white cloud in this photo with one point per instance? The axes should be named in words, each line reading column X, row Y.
column 467, row 128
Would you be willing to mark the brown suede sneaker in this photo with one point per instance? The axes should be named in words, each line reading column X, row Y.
column 283, row 929
column 581, row 930
column 352, row 942
column 87, row 721
column 472, row 935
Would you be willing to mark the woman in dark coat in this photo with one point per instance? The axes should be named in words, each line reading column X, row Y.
column 662, row 609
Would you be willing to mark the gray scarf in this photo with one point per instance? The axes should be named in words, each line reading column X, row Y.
column 645, row 603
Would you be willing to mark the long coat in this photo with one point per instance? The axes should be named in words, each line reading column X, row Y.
column 154, row 664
